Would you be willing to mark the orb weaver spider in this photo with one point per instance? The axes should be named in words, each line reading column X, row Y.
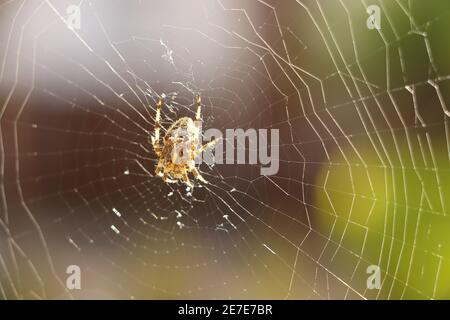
column 180, row 147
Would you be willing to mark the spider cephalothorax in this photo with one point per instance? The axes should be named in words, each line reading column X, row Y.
column 179, row 148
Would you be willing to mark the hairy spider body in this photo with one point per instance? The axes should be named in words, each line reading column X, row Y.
column 180, row 147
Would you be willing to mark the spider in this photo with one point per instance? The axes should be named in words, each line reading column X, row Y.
column 180, row 147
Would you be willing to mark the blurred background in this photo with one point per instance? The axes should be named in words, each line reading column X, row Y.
column 364, row 149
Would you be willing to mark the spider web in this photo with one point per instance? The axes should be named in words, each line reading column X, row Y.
column 364, row 149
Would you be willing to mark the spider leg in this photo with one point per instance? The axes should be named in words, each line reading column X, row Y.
column 198, row 176
column 185, row 179
column 159, row 169
column 167, row 179
column 155, row 139
column 206, row 146
column 199, row 108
